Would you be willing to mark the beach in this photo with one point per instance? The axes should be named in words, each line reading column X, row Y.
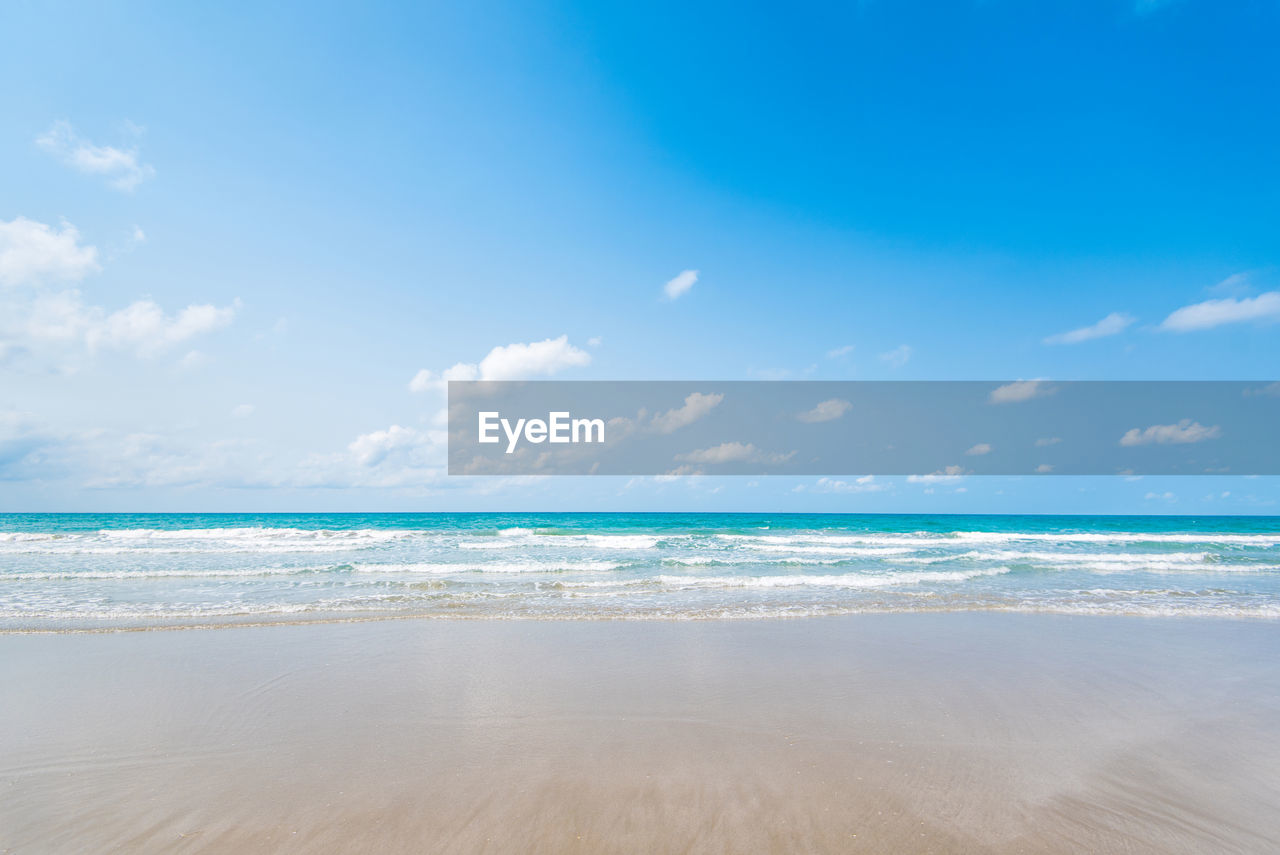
column 955, row 732
column 639, row 428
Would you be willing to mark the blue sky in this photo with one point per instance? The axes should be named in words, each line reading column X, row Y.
column 231, row 237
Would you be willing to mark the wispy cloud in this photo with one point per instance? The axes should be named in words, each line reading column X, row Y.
column 1229, row 310
column 1019, row 390
column 979, row 449
column 897, row 357
column 371, row 449
column 680, row 285
column 865, row 484
column 695, row 406
column 142, row 326
column 734, row 452
column 837, row 352
column 1271, row 390
column 948, row 473
column 120, row 166
column 1185, row 431
column 1235, row 285
column 826, row 411
column 1112, row 324
column 426, row 380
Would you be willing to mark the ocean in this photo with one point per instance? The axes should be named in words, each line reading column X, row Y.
column 133, row 571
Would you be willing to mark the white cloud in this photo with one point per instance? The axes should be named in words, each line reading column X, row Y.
column 727, row 452
column 518, row 361
column 680, row 285
column 949, row 473
column 121, row 167
column 677, row 474
column 826, row 411
column 1046, row 441
column 1044, row 468
column 32, row 252
column 372, row 448
column 695, row 407
column 508, row 362
column 595, row 341
column 59, row 324
column 425, row 380
column 1229, row 310
column 1235, row 285
column 145, row 325
column 1116, row 322
column 865, row 484
column 733, row 452
column 837, row 352
column 1271, row 390
column 1164, row 497
column 897, row 357
column 1183, row 432
column 243, row 411
column 142, row 326
column 979, row 449
column 1020, row 390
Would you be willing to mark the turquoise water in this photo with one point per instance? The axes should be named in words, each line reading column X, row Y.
column 85, row 571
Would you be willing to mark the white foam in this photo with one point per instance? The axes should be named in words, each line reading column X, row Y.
column 851, row 551
column 445, row 567
column 597, row 541
column 139, row 574
column 256, row 539
column 929, row 539
column 844, row 580
column 1208, row 537
column 135, row 575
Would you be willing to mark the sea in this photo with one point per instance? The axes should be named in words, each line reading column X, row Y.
column 78, row 572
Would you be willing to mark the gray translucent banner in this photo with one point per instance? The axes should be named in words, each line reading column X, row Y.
column 1025, row 427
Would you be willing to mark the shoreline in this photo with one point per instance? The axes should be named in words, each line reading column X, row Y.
column 960, row 731
column 576, row 618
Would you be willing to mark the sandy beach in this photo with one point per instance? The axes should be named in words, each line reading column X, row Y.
column 872, row 733
column 639, row 428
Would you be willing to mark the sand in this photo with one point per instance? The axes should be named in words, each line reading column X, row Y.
column 879, row 733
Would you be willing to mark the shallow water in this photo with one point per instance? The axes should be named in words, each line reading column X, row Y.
column 103, row 571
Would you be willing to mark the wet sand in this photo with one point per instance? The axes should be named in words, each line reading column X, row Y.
column 877, row 733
